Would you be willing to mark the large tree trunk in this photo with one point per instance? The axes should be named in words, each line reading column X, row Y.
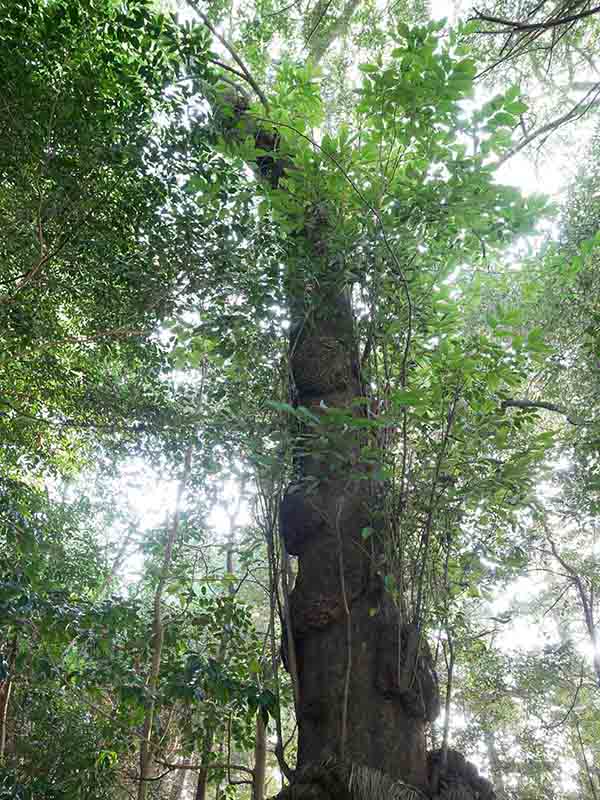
column 366, row 687
column 357, row 703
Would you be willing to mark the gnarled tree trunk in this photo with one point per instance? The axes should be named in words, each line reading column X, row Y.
column 356, row 702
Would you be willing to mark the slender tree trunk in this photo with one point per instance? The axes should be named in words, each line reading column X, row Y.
column 157, row 638
column 202, row 782
column 587, row 778
column 201, row 785
column 218, row 784
column 5, row 692
column 586, row 599
column 495, row 766
column 260, row 759
column 178, row 785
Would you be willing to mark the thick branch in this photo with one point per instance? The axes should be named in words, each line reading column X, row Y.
column 515, row 26
column 533, row 404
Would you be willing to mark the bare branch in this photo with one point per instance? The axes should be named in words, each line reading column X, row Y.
column 580, row 108
column 540, row 404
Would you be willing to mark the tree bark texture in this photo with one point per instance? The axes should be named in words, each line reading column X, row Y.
column 353, row 703
column 178, row 785
column 260, row 759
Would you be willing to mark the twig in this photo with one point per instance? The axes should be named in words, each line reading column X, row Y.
column 228, row 68
column 319, row 20
column 574, row 113
column 562, row 721
column 48, row 255
column 322, row 44
column 283, row 9
column 212, row 765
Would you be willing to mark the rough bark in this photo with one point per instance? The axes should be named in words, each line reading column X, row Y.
column 459, row 779
column 356, row 703
column 260, row 759
column 178, row 785
column 333, row 780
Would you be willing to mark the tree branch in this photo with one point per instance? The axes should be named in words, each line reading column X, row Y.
column 232, row 51
column 188, row 765
column 574, row 113
column 514, row 26
column 323, row 43
column 539, row 404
